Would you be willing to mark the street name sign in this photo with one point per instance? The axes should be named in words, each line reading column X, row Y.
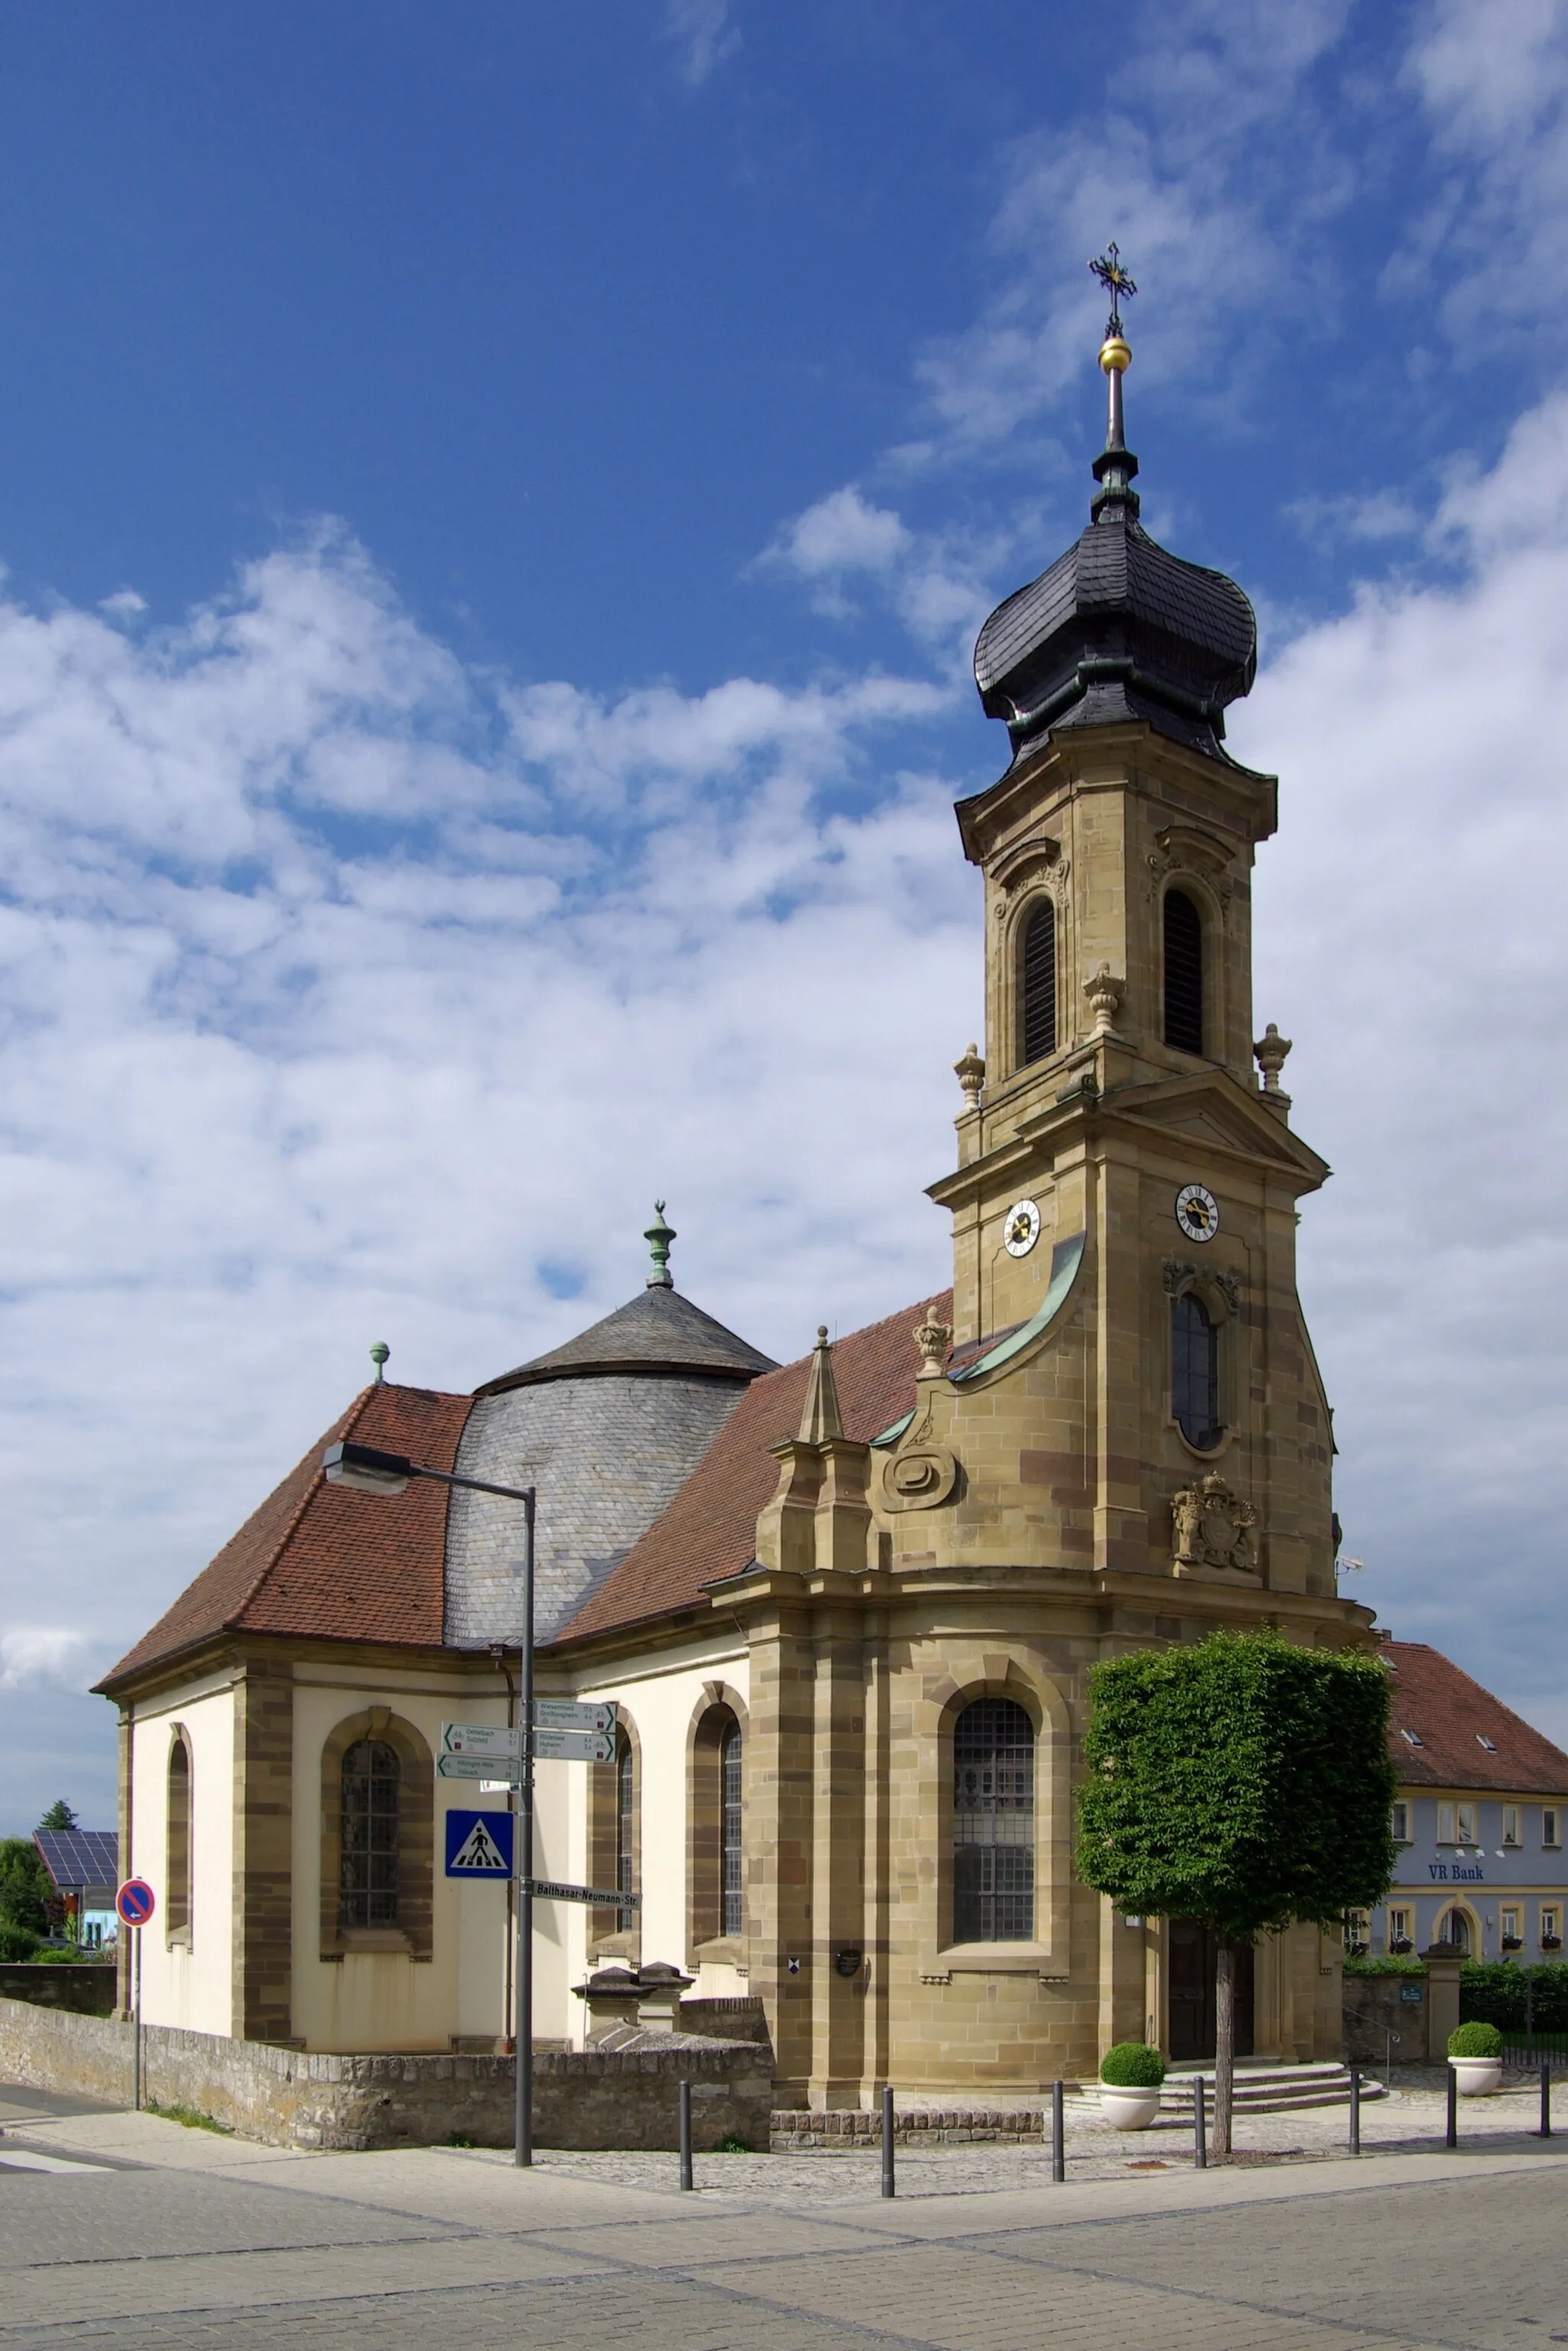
column 574, row 1746
column 547, row 1889
column 478, row 1844
column 566, row 1714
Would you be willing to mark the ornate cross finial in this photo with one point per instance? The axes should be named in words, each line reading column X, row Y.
column 1107, row 267
column 379, row 1355
column 658, row 1237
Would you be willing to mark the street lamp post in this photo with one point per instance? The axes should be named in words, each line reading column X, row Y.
column 368, row 1471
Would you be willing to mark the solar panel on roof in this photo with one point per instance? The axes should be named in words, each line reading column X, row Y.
column 84, row 1857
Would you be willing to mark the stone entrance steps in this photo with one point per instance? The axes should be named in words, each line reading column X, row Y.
column 1265, row 2089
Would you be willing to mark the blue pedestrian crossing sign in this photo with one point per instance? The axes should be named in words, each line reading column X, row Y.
column 478, row 1844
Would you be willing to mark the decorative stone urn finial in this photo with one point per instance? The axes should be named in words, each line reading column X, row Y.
column 379, row 1355
column 1269, row 1052
column 1104, row 995
column 932, row 1339
column 970, row 1073
column 658, row 1237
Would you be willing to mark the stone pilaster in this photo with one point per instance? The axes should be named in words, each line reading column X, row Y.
column 263, row 1855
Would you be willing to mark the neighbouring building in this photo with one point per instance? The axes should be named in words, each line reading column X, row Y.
column 1478, row 1820
column 845, row 1607
column 84, row 1869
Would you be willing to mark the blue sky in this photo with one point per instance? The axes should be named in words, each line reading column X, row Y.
column 496, row 506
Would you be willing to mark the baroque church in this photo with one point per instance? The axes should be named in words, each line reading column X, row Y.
column 844, row 1608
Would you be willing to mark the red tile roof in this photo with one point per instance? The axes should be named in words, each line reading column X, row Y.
column 1450, row 1714
column 710, row 1529
column 322, row 1561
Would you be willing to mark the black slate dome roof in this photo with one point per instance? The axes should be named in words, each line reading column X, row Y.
column 657, row 1330
column 1118, row 628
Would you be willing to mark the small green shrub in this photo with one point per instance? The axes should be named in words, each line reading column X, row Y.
column 17, row 1945
column 733, row 2146
column 1132, row 2065
column 1475, row 2040
column 1392, row 1965
column 189, row 2117
column 460, row 2138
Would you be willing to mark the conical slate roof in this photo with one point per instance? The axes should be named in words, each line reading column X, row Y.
column 657, row 1330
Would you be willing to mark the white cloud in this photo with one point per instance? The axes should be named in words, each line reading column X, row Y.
column 703, row 35
column 841, row 533
column 38, row 1653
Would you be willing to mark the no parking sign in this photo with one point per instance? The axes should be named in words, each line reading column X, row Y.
column 135, row 1902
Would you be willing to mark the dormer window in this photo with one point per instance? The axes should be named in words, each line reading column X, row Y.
column 1184, row 973
column 1490, row 1744
column 1413, row 1738
column 1037, row 983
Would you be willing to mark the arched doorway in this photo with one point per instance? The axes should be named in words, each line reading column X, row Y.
column 1192, row 1954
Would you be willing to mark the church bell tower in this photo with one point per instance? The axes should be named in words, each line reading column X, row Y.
column 1131, row 1389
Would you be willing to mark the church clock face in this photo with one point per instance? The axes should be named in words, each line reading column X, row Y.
column 1198, row 1212
column 1020, row 1227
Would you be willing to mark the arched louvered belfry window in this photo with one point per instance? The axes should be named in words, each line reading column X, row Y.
column 993, row 1823
column 732, row 1900
column 625, row 1828
column 1037, row 983
column 372, row 1799
column 177, row 1858
column 1195, row 1372
column 1184, row 973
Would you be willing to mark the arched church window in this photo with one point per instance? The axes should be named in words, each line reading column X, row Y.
column 1184, row 973
column 731, row 1879
column 177, row 1839
column 993, row 1823
column 373, row 1792
column 1195, row 1372
column 625, row 1828
column 1037, row 983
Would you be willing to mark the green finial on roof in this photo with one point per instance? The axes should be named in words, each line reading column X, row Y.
column 658, row 1237
column 379, row 1355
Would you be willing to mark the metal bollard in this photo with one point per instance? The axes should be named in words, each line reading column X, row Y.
column 1545, row 2100
column 1199, row 2140
column 687, row 2134
column 888, row 2185
column 1058, row 2135
column 1451, row 2137
column 1356, row 2110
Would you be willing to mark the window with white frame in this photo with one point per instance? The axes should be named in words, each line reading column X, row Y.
column 1401, row 1925
column 1511, row 1826
column 1550, row 1824
column 1357, row 1930
column 1400, row 1823
column 1448, row 1816
column 1550, row 1926
column 1465, row 1823
column 1508, row 1926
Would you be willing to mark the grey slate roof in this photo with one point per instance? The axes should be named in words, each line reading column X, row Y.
column 1118, row 628
column 656, row 1331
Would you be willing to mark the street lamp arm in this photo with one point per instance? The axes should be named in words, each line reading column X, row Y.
column 374, row 1473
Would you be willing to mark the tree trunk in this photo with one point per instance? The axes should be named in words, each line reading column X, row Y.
column 1224, row 2042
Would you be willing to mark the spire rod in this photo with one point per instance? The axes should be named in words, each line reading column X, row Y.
column 1116, row 466
column 821, row 1419
column 658, row 1237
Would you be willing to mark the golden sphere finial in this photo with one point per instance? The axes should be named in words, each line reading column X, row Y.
column 1115, row 355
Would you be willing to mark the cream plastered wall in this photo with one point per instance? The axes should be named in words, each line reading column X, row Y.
column 388, row 1999
column 661, row 1700
column 187, row 1985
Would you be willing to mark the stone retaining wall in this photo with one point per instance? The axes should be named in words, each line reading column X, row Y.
column 848, row 2131
column 1373, row 2009
column 290, row 2097
column 85, row 1985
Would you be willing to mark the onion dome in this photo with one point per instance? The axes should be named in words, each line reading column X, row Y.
column 1118, row 628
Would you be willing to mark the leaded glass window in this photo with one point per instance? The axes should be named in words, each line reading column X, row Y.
column 733, row 1906
column 1038, row 975
column 372, row 1788
column 993, row 1823
column 1184, row 973
column 625, row 1777
column 1195, row 1372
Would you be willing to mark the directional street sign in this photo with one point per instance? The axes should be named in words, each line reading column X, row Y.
column 135, row 1902
column 546, row 1889
column 574, row 1746
column 478, row 1844
column 495, row 1770
column 565, row 1714
column 479, row 1739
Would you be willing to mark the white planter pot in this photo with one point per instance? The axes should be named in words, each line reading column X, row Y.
column 1128, row 2109
column 1478, row 2077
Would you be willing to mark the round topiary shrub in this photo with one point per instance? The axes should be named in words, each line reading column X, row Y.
column 1132, row 2065
column 1475, row 2040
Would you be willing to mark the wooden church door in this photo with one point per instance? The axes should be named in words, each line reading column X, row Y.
column 1192, row 1957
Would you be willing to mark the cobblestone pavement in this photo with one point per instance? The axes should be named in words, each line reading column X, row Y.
column 156, row 2236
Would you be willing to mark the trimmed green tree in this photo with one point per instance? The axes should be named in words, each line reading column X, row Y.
column 1243, row 1783
column 59, row 1816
